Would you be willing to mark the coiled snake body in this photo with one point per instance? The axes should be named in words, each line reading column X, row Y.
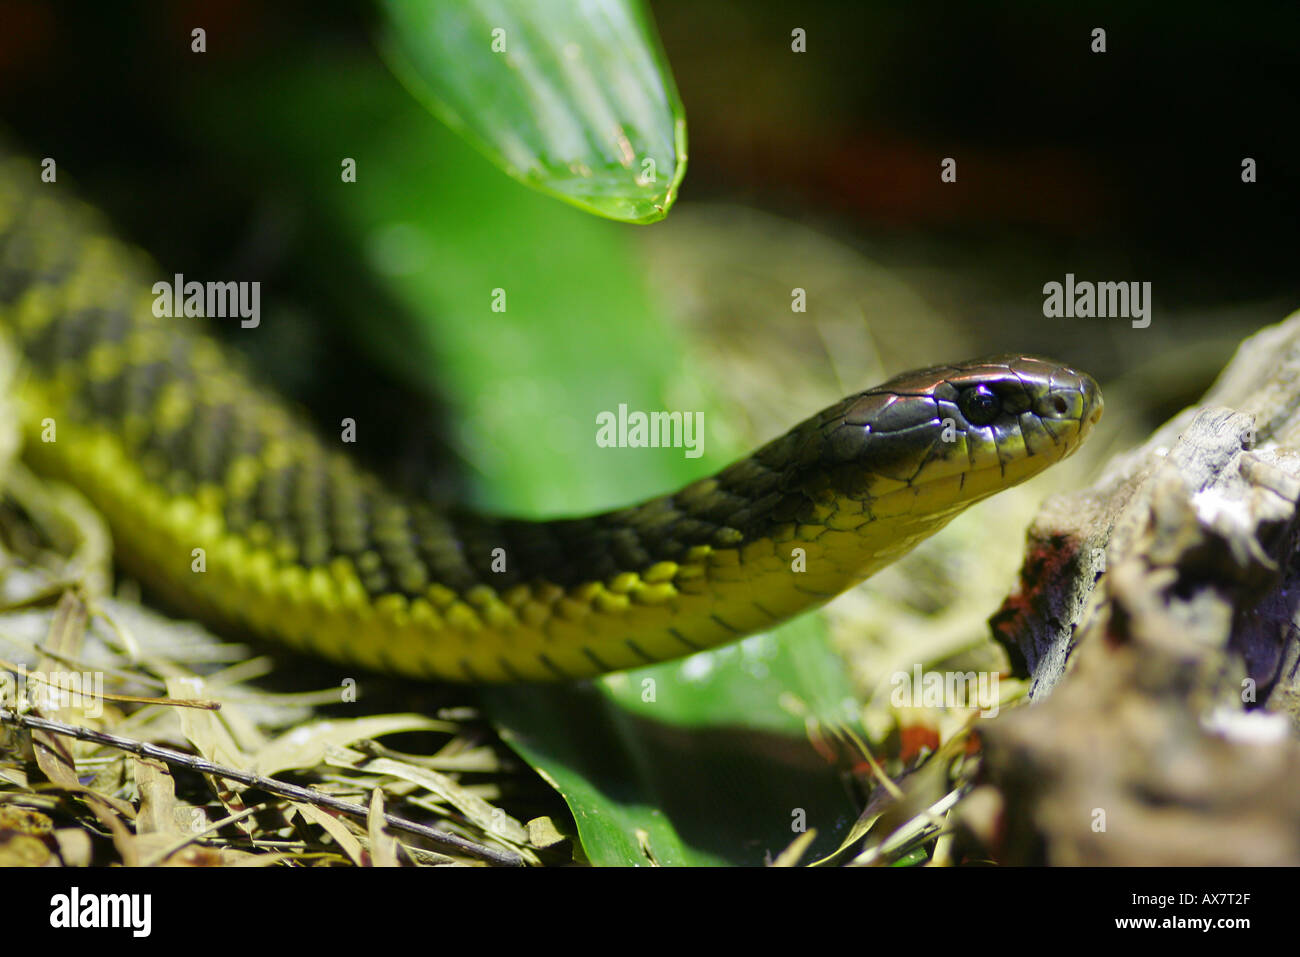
column 181, row 451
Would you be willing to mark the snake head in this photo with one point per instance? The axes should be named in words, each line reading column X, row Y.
column 944, row 437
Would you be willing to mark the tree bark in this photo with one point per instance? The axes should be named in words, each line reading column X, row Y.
column 1157, row 616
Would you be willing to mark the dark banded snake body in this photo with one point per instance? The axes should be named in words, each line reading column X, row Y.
column 180, row 450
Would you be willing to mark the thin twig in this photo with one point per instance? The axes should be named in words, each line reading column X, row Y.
column 293, row 792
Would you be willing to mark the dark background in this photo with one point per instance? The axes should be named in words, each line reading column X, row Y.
column 1119, row 166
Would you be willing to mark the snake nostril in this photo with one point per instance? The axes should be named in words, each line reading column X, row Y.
column 1059, row 405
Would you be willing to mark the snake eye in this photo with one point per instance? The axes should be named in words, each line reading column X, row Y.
column 979, row 405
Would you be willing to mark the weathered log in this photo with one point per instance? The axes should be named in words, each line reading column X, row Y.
column 1157, row 615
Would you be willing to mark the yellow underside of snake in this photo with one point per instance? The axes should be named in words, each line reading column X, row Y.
column 223, row 499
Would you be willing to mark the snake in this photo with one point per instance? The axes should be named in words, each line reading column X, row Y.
column 224, row 500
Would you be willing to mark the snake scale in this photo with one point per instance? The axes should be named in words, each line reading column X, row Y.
column 185, row 455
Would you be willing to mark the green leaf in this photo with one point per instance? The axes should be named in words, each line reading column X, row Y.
column 576, row 100
column 716, row 769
